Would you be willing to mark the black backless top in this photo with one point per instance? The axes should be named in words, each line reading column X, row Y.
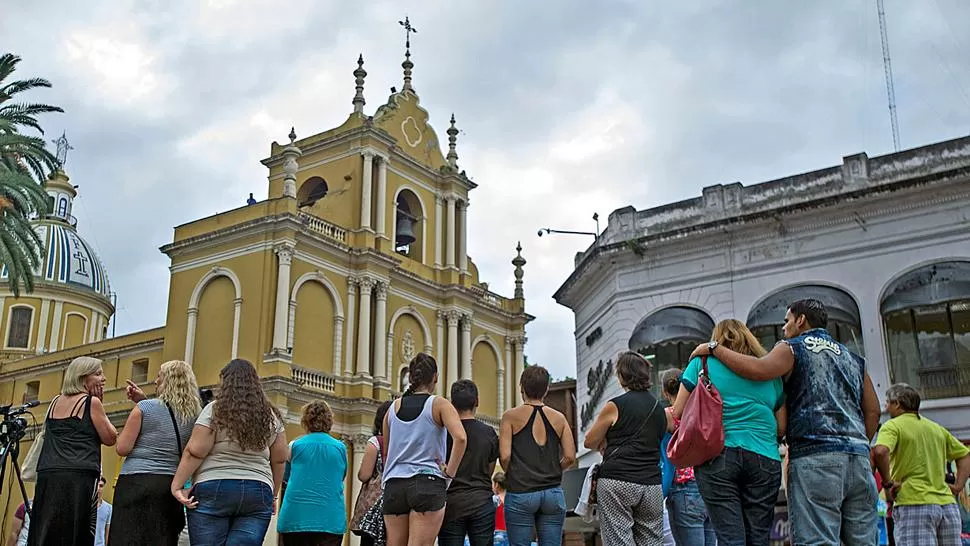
column 534, row 467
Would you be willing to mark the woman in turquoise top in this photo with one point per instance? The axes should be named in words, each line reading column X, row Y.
column 740, row 486
column 313, row 507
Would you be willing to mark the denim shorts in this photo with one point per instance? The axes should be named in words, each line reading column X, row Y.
column 421, row 493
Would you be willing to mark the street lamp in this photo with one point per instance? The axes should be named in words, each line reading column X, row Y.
column 596, row 218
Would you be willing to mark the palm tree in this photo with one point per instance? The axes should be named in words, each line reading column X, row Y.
column 25, row 163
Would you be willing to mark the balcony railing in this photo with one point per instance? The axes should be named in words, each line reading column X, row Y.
column 323, row 227
column 313, row 379
column 489, row 297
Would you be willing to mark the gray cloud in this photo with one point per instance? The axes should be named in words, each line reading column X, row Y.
column 565, row 111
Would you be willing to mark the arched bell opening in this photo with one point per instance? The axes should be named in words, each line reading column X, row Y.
column 409, row 225
column 926, row 315
column 311, row 191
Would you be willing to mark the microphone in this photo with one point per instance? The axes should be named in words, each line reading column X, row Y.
column 32, row 404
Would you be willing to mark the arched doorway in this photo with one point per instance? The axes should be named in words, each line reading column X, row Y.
column 668, row 336
column 766, row 319
column 926, row 314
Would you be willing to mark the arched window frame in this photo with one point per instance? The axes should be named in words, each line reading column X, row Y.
column 10, row 327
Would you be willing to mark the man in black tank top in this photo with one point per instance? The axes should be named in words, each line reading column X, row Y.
column 470, row 510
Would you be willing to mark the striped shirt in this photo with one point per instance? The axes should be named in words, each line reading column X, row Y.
column 156, row 449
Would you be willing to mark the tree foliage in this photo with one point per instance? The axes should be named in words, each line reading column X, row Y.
column 25, row 162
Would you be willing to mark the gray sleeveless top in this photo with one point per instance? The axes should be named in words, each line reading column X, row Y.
column 415, row 447
column 156, row 449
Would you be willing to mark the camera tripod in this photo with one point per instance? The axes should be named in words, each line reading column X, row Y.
column 13, row 429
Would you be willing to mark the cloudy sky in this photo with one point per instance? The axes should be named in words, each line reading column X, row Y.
column 567, row 108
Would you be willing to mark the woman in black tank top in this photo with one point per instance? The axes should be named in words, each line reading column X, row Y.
column 69, row 466
column 535, row 445
column 628, row 432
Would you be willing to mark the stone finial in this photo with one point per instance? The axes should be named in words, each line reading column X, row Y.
column 290, row 166
column 359, row 76
column 518, row 262
column 452, row 140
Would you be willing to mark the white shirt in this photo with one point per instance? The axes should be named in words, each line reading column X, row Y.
column 104, row 518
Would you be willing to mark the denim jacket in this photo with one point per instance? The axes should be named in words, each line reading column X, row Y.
column 824, row 393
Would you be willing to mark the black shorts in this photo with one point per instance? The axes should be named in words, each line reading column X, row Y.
column 421, row 493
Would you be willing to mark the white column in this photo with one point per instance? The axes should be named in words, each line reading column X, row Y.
column 338, row 340
column 380, row 332
column 284, row 254
column 358, row 444
column 236, row 316
column 381, row 220
column 189, row 333
column 507, row 365
column 438, row 239
column 45, row 307
column 351, row 321
column 519, row 366
column 365, row 183
column 363, row 329
column 440, row 357
column 389, row 361
column 56, row 329
column 450, row 246
column 452, row 350
column 466, row 347
column 463, row 237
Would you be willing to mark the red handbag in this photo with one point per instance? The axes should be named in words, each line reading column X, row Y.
column 700, row 436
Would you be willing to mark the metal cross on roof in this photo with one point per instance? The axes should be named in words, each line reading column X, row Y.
column 408, row 29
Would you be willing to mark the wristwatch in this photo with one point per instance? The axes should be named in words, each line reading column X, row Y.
column 711, row 346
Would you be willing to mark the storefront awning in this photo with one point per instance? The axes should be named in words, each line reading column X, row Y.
column 671, row 325
column 771, row 311
column 929, row 285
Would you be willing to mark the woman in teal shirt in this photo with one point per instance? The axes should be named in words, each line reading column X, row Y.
column 313, row 507
column 740, row 486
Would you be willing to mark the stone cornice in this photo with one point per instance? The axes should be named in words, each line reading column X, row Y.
column 697, row 234
column 90, row 349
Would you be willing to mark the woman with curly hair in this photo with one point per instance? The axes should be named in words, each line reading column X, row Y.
column 235, row 459
column 313, row 510
column 151, row 442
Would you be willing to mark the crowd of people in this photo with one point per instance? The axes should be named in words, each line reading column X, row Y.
column 223, row 468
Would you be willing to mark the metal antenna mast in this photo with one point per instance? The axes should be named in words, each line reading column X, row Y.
column 888, row 66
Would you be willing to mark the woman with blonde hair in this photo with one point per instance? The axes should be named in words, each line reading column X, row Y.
column 235, row 457
column 152, row 441
column 740, row 486
column 69, row 466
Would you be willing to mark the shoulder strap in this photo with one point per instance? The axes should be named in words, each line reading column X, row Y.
column 178, row 435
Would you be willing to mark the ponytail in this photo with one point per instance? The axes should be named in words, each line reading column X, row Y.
column 421, row 372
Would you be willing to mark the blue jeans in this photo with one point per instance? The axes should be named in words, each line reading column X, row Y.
column 832, row 497
column 538, row 513
column 689, row 521
column 740, row 489
column 230, row 512
column 479, row 526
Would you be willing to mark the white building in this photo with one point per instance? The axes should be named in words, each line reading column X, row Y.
column 883, row 241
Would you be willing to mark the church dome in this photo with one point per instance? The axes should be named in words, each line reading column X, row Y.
column 67, row 258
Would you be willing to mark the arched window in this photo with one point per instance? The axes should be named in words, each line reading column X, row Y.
column 62, row 207
column 926, row 314
column 18, row 332
column 667, row 337
column 767, row 318
column 313, row 190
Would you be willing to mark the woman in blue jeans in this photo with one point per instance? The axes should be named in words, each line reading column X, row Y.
column 740, row 486
column 535, row 445
column 689, row 521
column 235, row 458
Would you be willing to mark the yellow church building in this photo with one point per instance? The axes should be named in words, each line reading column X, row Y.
column 357, row 260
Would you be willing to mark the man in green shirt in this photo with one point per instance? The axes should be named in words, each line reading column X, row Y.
column 917, row 450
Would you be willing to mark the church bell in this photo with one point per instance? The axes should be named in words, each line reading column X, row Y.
column 405, row 229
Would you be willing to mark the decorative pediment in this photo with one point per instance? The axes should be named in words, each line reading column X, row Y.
column 404, row 119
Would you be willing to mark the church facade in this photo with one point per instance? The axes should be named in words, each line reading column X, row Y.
column 356, row 261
